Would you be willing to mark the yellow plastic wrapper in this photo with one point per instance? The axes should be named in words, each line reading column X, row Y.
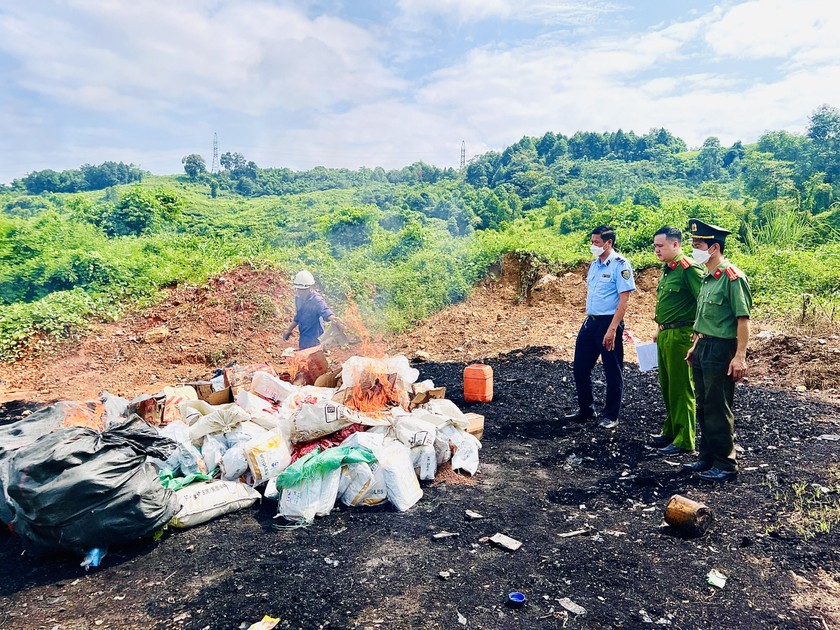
column 266, row 623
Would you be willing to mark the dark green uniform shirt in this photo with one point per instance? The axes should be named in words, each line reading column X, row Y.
column 676, row 295
column 724, row 297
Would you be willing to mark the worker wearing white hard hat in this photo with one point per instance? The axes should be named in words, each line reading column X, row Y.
column 311, row 311
column 303, row 280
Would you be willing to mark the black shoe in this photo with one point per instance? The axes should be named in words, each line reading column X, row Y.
column 608, row 423
column 716, row 474
column 580, row 417
column 697, row 467
column 672, row 449
column 658, row 441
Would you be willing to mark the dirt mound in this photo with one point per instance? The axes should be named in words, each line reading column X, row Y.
column 237, row 316
column 240, row 315
column 525, row 308
column 797, row 361
column 506, row 314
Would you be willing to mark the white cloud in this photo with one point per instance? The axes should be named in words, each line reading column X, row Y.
column 775, row 28
column 156, row 57
column 391, row 134
column 637, row 82
column 108, row 80
column 551, row 11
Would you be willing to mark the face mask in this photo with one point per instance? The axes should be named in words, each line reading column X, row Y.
column 701, row 256
column 596, row 251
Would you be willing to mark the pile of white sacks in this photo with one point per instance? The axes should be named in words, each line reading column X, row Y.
column 250, row 444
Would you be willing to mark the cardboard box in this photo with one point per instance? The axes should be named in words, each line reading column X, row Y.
column 425, row 395
column 221, row 397
column 204, row 391
column 476, row 424
column 315, row 361
column 304, row 367
column 238, row 377
column 150, row 408
column 329, row 379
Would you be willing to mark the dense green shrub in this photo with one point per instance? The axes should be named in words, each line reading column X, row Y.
column 405, row 243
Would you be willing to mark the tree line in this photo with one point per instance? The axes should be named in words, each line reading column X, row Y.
column 86, row 177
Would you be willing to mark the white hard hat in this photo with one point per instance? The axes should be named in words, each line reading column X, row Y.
column 303, row 280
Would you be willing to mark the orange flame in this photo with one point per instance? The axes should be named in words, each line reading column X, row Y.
column 295, row 366
column 375, row 392
column 370, row 346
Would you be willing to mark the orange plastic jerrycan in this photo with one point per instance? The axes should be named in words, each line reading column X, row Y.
column 478, row 383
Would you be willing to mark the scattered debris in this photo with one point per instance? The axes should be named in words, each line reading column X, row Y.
column 614, row 532
column 716, row 578
column 445, row 534
column 571, row 606
column 505, row 541
column 266, row 623
column 472, row 516
column 687, row 517
column 577, row 532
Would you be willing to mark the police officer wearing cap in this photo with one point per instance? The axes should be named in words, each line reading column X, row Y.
column 676, row 306
column 718, row 357
column 609, row 282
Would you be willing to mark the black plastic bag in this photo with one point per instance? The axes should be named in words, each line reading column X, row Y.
column 18, row 434
column 78, row 488
column 64, row 413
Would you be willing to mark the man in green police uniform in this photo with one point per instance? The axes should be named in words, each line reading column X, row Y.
column 719, row 355
column 676, row 306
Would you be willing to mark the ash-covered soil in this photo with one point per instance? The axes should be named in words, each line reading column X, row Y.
column 540, row 477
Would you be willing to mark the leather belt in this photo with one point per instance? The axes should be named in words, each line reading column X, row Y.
column 610, row 316
column 671, row 325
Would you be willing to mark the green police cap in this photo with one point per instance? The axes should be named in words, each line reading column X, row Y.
column 706, row 231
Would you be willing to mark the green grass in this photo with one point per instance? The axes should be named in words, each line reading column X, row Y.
column 397, row 263
column 807, row 509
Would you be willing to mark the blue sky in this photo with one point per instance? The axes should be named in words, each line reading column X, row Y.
column 350, row 83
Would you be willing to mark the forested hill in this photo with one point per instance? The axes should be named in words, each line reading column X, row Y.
column 613, row 166
column 404, row 243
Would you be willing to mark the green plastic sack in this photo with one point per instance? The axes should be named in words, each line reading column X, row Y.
column 169, row 481
column 319, row 462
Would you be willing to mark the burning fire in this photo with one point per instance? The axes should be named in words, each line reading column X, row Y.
column 296, row 367
column 370, row 346
column 375, row 392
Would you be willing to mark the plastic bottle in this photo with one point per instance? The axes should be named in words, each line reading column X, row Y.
column 478, row 383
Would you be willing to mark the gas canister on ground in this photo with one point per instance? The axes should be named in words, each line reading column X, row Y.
column 478, row 383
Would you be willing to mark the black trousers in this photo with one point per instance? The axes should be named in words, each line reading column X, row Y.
column 588, row 347
column 715, row 392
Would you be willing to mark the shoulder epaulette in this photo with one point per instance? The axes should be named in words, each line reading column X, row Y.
column 685, row 263
column 732, row 273
column 620, row 259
